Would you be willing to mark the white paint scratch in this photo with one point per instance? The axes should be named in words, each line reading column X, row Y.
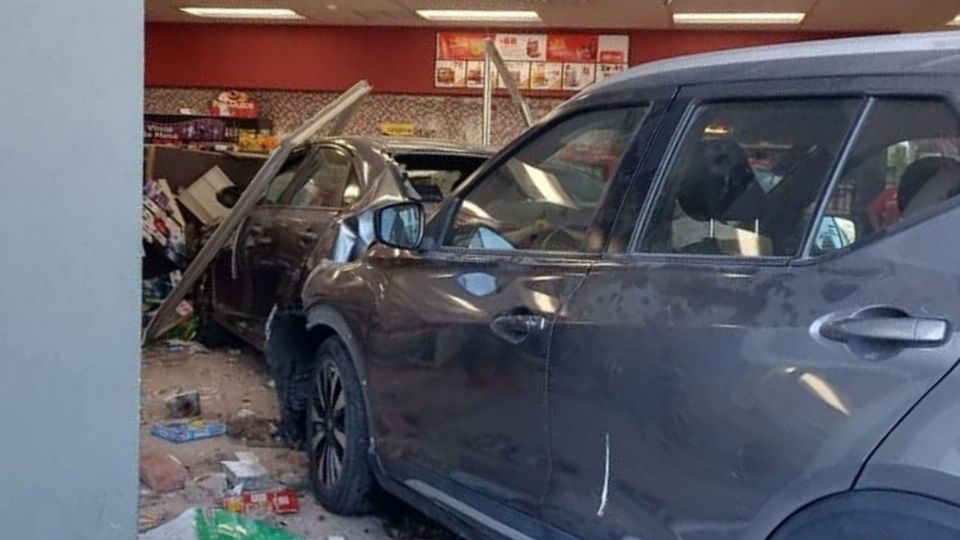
column 606, row 477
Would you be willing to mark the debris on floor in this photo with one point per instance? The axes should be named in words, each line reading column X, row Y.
column 233, row 389
column 184, row 405
column 206, row 487
column 256, row 430
column 276, row 501
column 195, row 524
column 181, row 431
column 246, row 473
column 162, row 472
column 180, row 345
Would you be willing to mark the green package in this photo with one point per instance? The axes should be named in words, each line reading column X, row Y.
column 223, row 525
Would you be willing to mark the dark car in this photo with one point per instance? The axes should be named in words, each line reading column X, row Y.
column 264, row 265
column 712, row 298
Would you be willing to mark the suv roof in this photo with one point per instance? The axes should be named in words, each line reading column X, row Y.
column 926, row 53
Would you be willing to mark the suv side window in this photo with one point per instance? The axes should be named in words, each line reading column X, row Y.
column 747, row 175
column 905, row 160
column 279, row 183
column 545, row 196
column 326, row 183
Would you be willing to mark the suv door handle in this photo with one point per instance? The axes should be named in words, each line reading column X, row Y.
column 909, row 331
column 514, row 328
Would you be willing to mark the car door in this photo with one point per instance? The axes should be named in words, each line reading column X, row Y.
column 456, row 360
column 277, row 239
column 231, row 282
column 760, row 335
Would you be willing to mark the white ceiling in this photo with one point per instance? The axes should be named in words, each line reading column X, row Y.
column 838, row 15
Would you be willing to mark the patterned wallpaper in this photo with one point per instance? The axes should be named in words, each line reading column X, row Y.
column 455, row 118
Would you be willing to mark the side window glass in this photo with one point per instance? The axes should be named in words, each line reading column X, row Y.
column 747, row 175
column 326, row 184
column 906, row 160
column 545, row 196
column 277, row 186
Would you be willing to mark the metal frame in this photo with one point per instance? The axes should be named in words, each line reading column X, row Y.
column 339, row 110
column 492, row 58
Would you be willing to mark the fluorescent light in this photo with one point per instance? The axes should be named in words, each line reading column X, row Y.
column 242, row 13
column 739, row 18
column 474, row 15
column 955, row 21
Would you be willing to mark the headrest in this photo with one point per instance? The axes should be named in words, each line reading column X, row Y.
column 718, row 174
column 927, row 182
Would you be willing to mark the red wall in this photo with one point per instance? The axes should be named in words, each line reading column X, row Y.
column 393, row 59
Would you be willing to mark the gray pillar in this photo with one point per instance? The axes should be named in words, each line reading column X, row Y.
column 71, row 87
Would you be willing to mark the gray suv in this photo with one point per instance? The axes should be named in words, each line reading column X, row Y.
column 712, row 298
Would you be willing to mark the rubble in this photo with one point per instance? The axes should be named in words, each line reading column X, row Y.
column 184, row 404
column 277, row 501
column 206, row 487
column 231, row 384
column 162, row 472
column 195, row 524
column 181, row 431
column 247, row 472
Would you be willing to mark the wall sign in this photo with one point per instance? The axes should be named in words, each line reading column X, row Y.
column 568, row 62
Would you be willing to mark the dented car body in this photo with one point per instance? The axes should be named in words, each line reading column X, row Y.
column 715, row 297
column 297, row 222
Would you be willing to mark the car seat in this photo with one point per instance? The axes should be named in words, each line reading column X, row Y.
column 926, row 182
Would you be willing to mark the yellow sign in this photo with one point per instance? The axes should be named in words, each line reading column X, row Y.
column 398, row 129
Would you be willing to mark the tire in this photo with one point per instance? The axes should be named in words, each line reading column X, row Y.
column 338, row 437
column 873, row 515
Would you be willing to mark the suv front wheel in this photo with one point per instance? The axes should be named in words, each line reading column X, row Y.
column 337, row 433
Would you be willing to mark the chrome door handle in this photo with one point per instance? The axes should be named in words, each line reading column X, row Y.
column 910, row 331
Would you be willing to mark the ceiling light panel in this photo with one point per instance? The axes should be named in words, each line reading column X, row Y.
column 242, row 13
column 479, row 15
column 737, row 18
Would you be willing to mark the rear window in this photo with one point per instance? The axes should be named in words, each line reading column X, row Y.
column 905, row 161
column 431, row 177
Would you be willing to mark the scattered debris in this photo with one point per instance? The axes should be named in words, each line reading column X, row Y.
column 149, row 519
column 296, row 481
column 247, row 472
column 194, row 524
column 162, row 472
column 183, row 346
column 277, row 501
column 184, row 404
column 180, row 431
column 253, row 428
column 206, row 487
column 245, row 413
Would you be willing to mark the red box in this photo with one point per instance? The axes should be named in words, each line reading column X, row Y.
column 278, row 501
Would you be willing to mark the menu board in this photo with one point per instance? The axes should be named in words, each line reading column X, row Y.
column 568, row 62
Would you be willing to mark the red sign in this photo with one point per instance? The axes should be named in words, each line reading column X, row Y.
column 571, row 48
column 461, row 45
column 235, row 104
column 569, row 62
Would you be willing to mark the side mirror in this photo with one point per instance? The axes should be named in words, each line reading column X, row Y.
column 400, row 225
column 835, row 233
column 229, row 196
